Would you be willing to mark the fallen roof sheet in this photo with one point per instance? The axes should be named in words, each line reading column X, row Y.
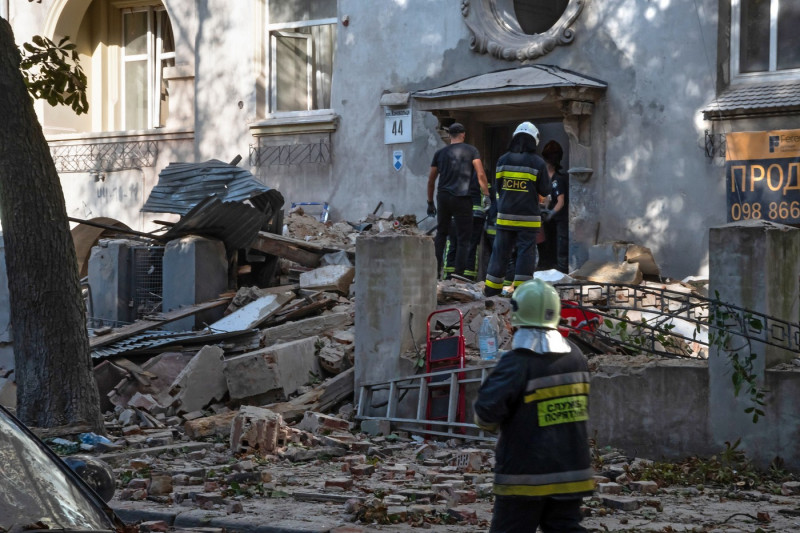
column 162, row 339
column 515, row 79
column 181, row 186
column 235, row 224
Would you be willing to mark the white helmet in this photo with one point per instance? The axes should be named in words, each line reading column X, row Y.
column 528, row 128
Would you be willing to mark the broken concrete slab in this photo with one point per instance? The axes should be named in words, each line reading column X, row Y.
column 209, row 426
column 605, row 272
column 161, row 371
column 253, row 314
column 304, row 328
column 201, row 382
column 273, row 373
column 644, row 258
column 336, row 278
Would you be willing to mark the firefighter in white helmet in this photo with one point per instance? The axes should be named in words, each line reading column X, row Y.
column 520, row 178
column 537, row 397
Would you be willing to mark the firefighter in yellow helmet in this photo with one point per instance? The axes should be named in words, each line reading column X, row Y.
column 537, row 397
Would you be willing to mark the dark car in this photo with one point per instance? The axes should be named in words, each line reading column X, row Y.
column 39, row 492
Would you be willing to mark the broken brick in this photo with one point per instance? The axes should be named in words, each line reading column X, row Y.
column 344, row 483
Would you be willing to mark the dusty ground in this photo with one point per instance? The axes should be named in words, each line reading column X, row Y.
column 415, row 485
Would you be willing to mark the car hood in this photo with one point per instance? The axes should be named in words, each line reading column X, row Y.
column 39, row 492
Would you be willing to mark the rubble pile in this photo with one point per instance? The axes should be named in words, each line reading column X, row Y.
column 325, row 473
column 310, row 228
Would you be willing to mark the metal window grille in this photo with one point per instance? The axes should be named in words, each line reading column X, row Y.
column 146, row 280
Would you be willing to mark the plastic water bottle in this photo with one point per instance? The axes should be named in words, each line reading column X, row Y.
column 487, row 339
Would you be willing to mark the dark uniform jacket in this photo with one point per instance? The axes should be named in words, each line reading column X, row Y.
column 540, row 403
column 520, row 179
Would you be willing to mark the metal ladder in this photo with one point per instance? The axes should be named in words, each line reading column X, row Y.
column 398, row 388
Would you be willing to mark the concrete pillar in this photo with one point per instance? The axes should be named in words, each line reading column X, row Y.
column 753, row 265
column 195, row 270
column 111, row 298
column 395, row 288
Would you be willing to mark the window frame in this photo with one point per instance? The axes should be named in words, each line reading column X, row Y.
column 154, row 58
column 771, row 75
column 288, row 29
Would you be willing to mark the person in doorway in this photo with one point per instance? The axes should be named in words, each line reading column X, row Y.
column 521, row 177
column 454, row 166
column 556, row 216
column 537, row 397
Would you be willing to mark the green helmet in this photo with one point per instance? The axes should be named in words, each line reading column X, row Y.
column 535, row 303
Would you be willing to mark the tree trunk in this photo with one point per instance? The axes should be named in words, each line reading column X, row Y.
column 55, row 383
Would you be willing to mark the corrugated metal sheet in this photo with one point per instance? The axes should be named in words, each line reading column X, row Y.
column 523, row 78
column 747, row 99
column 235, row 224
column 149, row 340
column 181, row 186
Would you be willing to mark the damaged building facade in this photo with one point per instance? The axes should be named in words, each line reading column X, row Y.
column 344, row 102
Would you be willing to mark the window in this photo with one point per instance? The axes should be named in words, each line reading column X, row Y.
column 302, row 42
column 147, row 48
column 765, row 43
column 538, row 16
column 520, row 30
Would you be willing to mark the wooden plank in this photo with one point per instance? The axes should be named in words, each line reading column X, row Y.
column 141, row 326
column 337, row 389
column 287, row 251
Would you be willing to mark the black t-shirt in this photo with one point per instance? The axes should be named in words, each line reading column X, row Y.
column 454, row 163
column 560, row 184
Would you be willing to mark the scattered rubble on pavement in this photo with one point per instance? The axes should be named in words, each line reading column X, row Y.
column 252, row 421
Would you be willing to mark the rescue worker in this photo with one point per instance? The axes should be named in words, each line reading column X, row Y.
column 479, row 208
column 537, row 396
column 521, row 177
column 454, row 166
column 555, row 217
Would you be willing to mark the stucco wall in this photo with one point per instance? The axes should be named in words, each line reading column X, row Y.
column 652, row 185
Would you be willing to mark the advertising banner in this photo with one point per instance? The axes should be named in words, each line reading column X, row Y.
column 761, row 176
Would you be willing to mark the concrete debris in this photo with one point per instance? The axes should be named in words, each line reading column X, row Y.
column 253, row 314
column 335, row 278
column 200, row 383
column 269, row 471
column 257, row 430
column 273, row 373
column 603, row 272
column 618, row 262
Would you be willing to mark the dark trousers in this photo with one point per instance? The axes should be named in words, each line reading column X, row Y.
column 471, row 269
column 504, row 242
column 455, row 210
column 524, row 515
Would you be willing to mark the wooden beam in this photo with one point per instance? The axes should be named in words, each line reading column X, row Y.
column 268, row 243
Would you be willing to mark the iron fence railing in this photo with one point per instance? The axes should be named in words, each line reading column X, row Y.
column 650, row 313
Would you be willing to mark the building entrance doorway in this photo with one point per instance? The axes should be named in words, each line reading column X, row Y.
column 496, row 138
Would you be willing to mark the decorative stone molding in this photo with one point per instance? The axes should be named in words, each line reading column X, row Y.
column 496, row 31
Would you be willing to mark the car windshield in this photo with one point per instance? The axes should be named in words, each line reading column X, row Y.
column 35, row 492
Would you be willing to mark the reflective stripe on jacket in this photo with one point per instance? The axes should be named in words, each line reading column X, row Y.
column 540, row 403
column 520, row 179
